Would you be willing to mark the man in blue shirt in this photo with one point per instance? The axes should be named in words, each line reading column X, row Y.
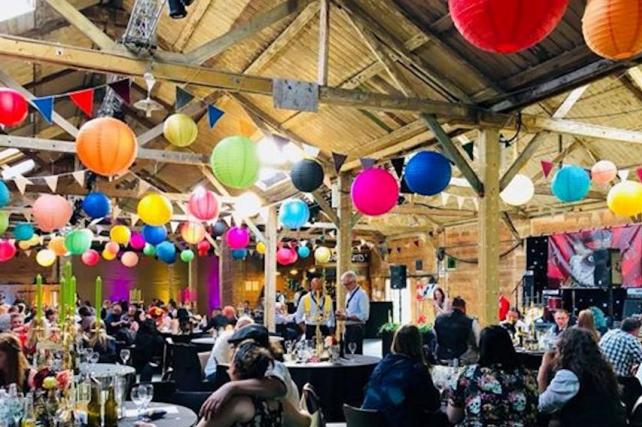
column 357, row 311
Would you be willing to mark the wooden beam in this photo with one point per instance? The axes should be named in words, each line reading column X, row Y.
column 270, row 269
column 344, row 235
column 83, row 24
column 489, row 215
column 533, row 144
column 581, row 129
column 560, row 156
column 161, row 156
column 325, row 207
column 324, row 45
column 256, row 24
column 453, row 152
column 193, row 20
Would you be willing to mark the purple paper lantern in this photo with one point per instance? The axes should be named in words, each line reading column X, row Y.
column 137, row 241
column 237, row 237
column 375, row 192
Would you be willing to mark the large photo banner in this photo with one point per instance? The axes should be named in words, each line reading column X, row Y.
column 572, row 257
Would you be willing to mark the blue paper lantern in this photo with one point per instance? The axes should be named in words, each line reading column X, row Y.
column 570, row 184
column 154, row 235
column 219, row 228
column 303, row 251
column 294, row 214
column 166, row 252
column 96, row 205
column 239, row 254
column 5, row 195
column 23, row 231
column 428, row 173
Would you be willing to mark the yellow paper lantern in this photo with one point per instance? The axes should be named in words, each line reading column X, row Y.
column 24, row 245
column 45, row 258
column 260, row 248
column 180, row 130
column 322, row 254
column 120, row 234
column 155, row 209
column 107, row 255
column 625, row 198
column 57, row 245
column 193, row 232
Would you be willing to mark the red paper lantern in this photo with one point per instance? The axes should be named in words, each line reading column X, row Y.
column 286, row 256
column 13, row 107
column 7, row 250
column 506, row 26
column 203, row 247
column 90, row 257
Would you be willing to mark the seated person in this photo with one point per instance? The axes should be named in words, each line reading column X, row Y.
column 401, row 386
column 98, row 340
column 457, row 334
column 14, row 367
column 217, row 321
column 222, row 349
column 514, row 322
column 118, row 327
column 51, row 317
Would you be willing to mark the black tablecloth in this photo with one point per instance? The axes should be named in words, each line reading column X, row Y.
column 530, row 359
column 185, row 417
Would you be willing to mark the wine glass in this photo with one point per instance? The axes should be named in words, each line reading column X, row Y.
column 352, row 346
column 137, row 398
column 124, row 355
column 16, row 406
column 149, row 395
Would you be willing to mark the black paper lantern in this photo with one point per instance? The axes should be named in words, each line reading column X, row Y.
column 219, row 228
column 307, row 175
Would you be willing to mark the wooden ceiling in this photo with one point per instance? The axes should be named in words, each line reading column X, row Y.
column 400, row 48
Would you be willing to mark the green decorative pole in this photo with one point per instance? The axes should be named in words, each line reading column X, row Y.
column 99, row 296
column 72, row 294
column 39, row 308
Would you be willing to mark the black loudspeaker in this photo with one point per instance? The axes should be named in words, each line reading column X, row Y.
column 176, row 9
column 602, row 273
column 528, row 286
column 398, row 277
column 631, row 307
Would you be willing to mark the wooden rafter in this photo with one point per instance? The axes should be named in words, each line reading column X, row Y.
column 324, row 42
column 194, row 18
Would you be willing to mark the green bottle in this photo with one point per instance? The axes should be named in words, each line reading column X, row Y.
column 111, row 409
column 94, row 418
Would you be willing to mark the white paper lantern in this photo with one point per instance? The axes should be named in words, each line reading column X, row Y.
column 519, row 192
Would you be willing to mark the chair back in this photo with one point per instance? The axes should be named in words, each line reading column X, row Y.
column 357, row 417
column 187, row 367
column 635, row 420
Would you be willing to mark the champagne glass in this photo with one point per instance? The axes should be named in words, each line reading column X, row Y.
column 137, row 398
column 93, row 358
column 149, row 395
column 352, row 346
column 125, row 353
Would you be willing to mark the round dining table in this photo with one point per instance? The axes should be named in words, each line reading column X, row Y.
column 206, row 343
column 176, row 416
column 104, row 370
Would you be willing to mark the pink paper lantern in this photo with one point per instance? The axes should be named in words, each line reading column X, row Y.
column 51, row 212
column 7, row 250
column 129, row 259
column 203, row 204
column 112, row 247
column 374, row 192
column 90, row 257
column 286, row 256
column 237, row 238
column 603, row 172
column 137, row 241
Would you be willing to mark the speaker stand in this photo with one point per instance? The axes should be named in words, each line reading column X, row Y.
column 400, row 309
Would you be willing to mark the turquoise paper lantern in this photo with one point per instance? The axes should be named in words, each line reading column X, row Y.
column 23, row 231
column 235, row 162
column 239, row 254
column 570, row 184
column 5, row 195
column 166, row 252
column 294, row 214
column 303, row 251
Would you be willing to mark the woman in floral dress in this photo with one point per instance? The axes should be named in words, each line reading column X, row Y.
column 496, row 392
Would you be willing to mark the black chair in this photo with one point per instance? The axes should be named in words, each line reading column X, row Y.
column 631, row 390
column 186, row 367
column 191, row 399
column 635, row 420
column 357, row 417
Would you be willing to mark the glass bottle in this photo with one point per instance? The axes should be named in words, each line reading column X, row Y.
column 29, row 418
column 111, row 409
column 94, row 407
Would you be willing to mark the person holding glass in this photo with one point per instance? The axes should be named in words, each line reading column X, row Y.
column 356, row 313
column 14, row 367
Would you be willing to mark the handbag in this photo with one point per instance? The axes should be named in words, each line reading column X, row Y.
column 311, row 403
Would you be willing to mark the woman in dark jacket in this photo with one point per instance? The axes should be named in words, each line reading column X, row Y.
column 149, row 343
column 401, row 387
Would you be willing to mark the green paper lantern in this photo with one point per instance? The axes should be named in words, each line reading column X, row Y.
column 235, row 162
column 4, row 221
column 149, row 250
column 187, row 255
column 78, row 241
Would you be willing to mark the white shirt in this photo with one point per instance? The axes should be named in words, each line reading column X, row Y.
column 358, row 305
column 280, row 372
column 221, row 353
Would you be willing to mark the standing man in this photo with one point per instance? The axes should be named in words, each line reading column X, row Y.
column 315, row 308
column 357, row 311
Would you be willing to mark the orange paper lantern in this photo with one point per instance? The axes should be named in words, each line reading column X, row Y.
column 613, row 28
column 106, row 146
column 57, row 245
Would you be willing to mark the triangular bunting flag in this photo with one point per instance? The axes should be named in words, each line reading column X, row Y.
column 122, row 89
column 460, row 202
column 143, row 186
column 547, row 167
column 99, row 229
column 134, row 218
column 310, row 150
column 367, row 162
column 27, row 215
column 115, row 212
column 28, row 252
column 638, row 172
column 403, row 188
column 213, row 115
column 623, row 174
column 398, row 164
column 173, row 225
column 228, row 220
column 468, row 148
column 476, row 203
column 339, row 160
column 52, row 182
column 45, row 107
column 183, row 98
column 84, row 99
column 416, row 243
column 79, row 176
column 444, row 198
column 21, row 183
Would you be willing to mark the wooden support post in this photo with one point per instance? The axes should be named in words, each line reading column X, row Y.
column 324, row 36
column 192, row 283
column 270, row 270
column 489, row 217
column 344, row 234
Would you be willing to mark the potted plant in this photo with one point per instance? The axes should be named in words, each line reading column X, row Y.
column 387, row 332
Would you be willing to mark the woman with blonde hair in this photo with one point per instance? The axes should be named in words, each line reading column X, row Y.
column 14, row 368
column 98, row 340
column 586, row 320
